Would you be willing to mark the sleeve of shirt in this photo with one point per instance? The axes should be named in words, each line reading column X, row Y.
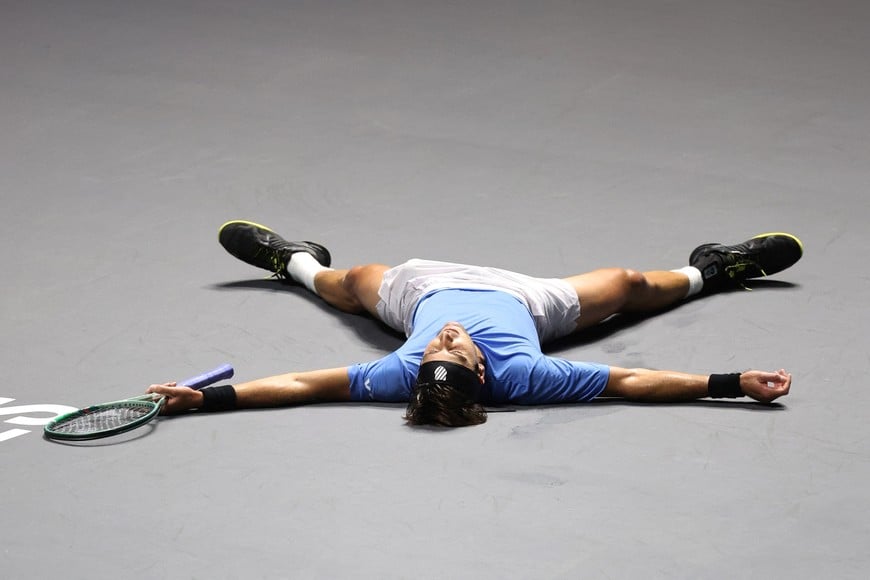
column 384, row 380
column 556, row 380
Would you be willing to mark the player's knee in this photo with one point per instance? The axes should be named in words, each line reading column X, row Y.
column 635, row 279
column 353, row 280
column 633, row 282
column 361, row 284
column 361, row 280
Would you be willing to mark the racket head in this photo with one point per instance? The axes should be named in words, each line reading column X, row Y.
column 105, row 419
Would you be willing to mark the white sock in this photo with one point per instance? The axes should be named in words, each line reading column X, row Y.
column 696, row 280
column 303, row 267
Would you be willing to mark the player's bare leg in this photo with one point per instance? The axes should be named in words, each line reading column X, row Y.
column 712, row 268
column 352, row 290
column 603, row 293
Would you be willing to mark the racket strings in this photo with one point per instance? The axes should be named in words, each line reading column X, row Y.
column 105, row 418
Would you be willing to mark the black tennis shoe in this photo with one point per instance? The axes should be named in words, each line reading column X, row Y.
column 725, row 267
column 261, row 247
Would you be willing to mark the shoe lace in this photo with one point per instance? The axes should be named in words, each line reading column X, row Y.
column 279, row 264
column 737, row 264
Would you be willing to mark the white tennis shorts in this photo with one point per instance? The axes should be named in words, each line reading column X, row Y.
column 552, row 302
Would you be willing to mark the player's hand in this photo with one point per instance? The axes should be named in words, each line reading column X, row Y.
column 178, row 399
column 765, row 386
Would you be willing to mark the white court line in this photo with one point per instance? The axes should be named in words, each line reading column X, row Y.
column 12, row 433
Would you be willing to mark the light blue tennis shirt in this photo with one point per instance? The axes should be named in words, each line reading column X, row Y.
column 502, row 327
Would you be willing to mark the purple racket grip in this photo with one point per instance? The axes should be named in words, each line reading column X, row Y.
column 205, row 379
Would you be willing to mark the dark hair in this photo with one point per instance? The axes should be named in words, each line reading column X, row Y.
column 440, row 404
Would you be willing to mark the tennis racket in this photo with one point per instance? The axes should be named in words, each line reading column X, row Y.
column 107, row 419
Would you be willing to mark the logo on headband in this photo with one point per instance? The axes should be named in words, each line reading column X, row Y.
column 440, row 374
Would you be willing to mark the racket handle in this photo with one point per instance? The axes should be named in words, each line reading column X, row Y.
column 205, row 379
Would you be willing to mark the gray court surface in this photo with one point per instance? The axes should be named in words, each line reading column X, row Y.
column 545, row 137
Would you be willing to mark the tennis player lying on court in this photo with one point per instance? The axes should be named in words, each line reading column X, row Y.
column 475, row 333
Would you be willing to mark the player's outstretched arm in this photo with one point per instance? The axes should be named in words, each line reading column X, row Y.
column 321, row 386
column 669, row 386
